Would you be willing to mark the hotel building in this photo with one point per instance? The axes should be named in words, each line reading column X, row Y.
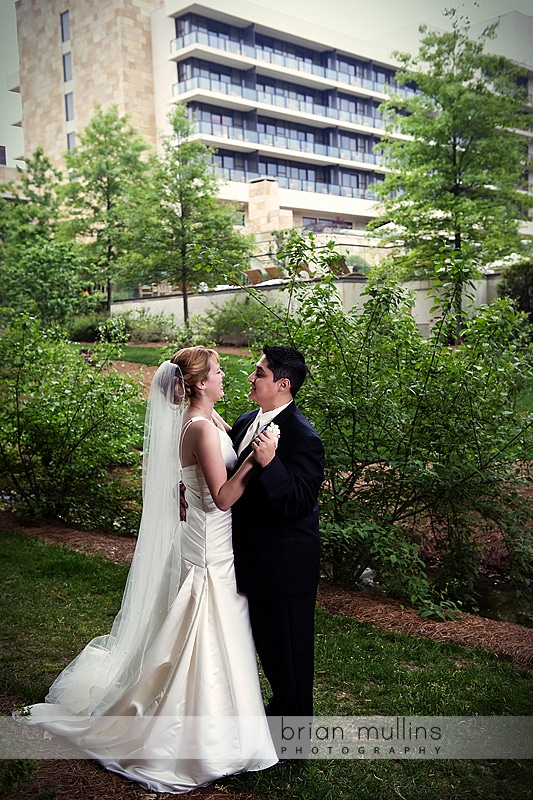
column 291, row 109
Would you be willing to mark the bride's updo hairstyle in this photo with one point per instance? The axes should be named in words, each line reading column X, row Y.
column 194, row 363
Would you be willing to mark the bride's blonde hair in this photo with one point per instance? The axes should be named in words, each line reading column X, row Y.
column 194, row 363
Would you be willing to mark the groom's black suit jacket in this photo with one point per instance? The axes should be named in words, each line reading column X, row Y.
column 276, row 542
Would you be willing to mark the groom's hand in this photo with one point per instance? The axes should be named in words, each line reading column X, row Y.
column 264, row 448
column 183, row 503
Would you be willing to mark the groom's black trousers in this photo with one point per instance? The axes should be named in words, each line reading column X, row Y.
column 283, row 630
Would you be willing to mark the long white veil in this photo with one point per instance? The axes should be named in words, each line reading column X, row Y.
column 110, row 664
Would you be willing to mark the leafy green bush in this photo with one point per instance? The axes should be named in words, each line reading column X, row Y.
column 14, row 772
column 424, row 445
column 245, row 321
column 44, row 279
column 68, row 425
column 144, row 327
column 84, row 328
column 236, row 387
column 139, row 327
column 517, row 282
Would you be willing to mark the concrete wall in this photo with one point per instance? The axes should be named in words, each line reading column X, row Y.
column 350, row 289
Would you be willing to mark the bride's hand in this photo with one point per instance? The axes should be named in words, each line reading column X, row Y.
column 264, row 448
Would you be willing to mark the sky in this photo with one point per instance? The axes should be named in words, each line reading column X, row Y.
column 364, row 19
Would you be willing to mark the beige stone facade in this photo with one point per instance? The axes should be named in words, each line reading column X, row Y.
column 264, row 212
column 111, row 57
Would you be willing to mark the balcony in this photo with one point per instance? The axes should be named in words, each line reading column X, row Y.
column 284, row 62
column 297, row 184
column 278, row 101
column 239, row 135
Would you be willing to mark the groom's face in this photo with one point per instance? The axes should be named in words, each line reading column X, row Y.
column 264, row 390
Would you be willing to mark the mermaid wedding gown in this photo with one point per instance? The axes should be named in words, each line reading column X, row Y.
column 188, row 709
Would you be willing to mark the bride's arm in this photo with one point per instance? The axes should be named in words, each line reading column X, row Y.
column 206, row 448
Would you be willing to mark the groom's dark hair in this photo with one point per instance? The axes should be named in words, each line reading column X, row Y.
column 286, row 362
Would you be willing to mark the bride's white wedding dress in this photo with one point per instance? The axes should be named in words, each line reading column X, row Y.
column 193, row 711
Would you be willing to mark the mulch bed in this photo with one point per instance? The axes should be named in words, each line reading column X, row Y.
column 470, row 630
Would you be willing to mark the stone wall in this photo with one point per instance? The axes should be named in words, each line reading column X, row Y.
column 111, row 51
column 350, row 289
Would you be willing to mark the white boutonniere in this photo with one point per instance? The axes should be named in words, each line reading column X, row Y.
column 273, row 429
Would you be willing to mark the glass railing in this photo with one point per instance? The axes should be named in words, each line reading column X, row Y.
column 278, row 100
column 297, row 184
column 285, row 142
column 286, row 61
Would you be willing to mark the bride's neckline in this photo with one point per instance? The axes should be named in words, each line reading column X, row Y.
column 202, row 415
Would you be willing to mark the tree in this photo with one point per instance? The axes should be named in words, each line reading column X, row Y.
column 104, row 170
column 38, row 273
column 186, row 235
column 457, row 179
column 29, row 206
column 45, row 280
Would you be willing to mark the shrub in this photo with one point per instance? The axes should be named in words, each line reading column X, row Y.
column 517, row 282
column 84, row 328
column 67, row 427
column 143, row 326
column 14, row 772
column 245, row 321
column 424, row 444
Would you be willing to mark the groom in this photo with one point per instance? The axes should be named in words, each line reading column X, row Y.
column 275, row 530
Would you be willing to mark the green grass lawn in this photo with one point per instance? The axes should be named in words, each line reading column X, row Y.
column 54, row 600
column 137, row 354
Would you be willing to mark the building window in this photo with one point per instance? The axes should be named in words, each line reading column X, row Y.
column 71, row 141
column 67, row 67
column 69, row 106
column 3, row 155
column 65, row 26
column 320, row 224
column 231, row 161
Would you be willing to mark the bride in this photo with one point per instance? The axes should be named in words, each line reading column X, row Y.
column 170, row 697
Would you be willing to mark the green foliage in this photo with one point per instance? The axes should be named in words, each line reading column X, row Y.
column 13, row 773
column 517, row 283
column 245, row 322
column 113, row 330
column 84, row 327
column 144, row 327
column 29, row 206
column 105, row 170
column 141, row 327
column 357, row 263
column 236, row 387
column 184, row 234
column 458, row 170
column 424, row 443
column 67, row 425
column 39, row 273
column 44, row 279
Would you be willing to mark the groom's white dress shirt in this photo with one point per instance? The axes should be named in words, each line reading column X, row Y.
column 258, row 423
